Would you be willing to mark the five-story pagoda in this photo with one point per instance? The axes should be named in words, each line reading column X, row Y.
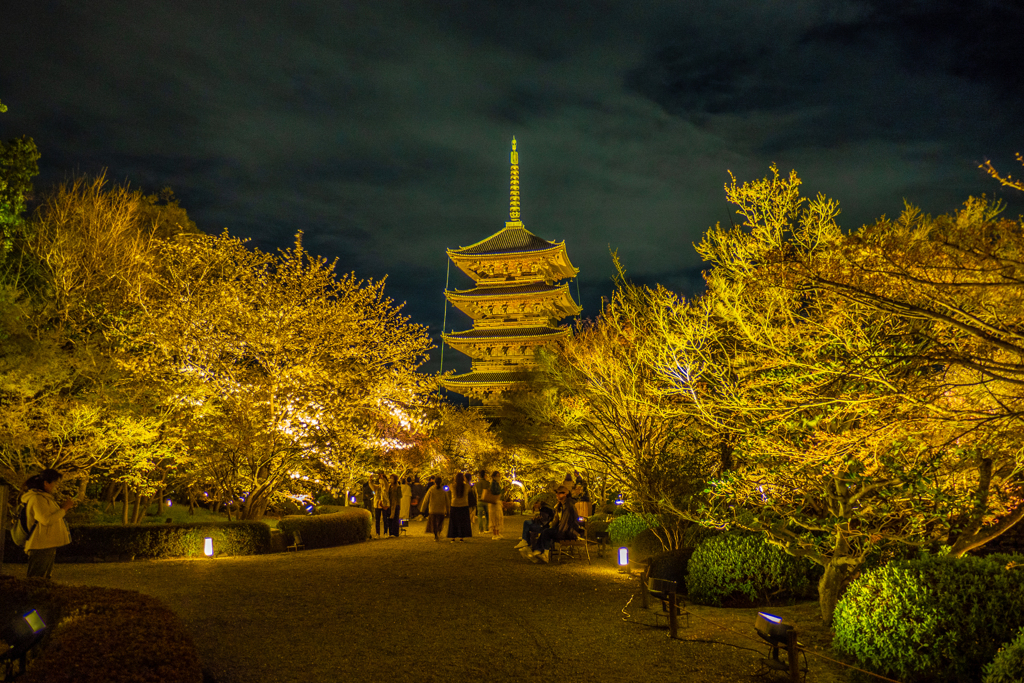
column 516, row 304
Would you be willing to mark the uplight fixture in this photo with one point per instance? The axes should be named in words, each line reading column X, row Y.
column 623, row 560
column 208, row 546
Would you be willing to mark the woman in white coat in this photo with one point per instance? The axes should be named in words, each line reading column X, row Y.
column 45, row 522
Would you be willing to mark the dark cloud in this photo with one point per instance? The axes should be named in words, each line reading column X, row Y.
column 381, row 129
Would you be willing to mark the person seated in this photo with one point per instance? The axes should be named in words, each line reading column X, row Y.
column 565, row 526
column 533, row 527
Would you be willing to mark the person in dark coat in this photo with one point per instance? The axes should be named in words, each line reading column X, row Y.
column 395, row 498
column 564, row 526
column 367, row 494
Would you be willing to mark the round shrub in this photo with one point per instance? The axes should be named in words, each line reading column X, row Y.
column 745, row 570
column 350, row 525
column 1008, row 665
column 101, row 635
column 624, row 528
column 932, row 618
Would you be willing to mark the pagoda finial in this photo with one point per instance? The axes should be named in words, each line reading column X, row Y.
column 513, row 208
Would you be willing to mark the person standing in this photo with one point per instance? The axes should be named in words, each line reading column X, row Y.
column 395, row 500
column 367, row 494
column 472, row 500
column 45, row 522
column 406, row 499
column 481, row 504
column 424, row 508
column 495, row 512
column 381, row 504
column 459, row 524
column 436, row 505
column 418, row 489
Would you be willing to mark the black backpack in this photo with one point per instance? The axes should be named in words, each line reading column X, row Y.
column 20, row 532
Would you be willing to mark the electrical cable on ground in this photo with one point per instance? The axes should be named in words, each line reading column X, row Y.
column 801, row 648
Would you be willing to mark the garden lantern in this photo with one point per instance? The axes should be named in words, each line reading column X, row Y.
column 623, row 560
column 208, row 546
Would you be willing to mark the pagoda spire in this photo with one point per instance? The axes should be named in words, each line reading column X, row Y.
column 513, row 193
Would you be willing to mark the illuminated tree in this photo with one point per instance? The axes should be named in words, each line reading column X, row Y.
column 851, row 430
column 262, row 350
column 602, row 406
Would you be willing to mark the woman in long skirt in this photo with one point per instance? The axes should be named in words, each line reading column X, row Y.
column 406, row 499
column 495, row 511
column 459, row 524
column 395, row 498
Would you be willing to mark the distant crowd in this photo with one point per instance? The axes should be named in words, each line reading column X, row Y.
column 466, row 504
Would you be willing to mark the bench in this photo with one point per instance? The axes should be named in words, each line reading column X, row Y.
column 571, row 547
column 297, row 542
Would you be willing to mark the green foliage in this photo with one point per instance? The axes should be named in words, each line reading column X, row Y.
column 931, row 618
column 91, row 627
column 624, row 528
column 351, row 525
column 744, row 569
column 1008, row 665
column 672, row 566
column 161, row 541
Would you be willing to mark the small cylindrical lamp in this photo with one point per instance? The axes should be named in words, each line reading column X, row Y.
column 208, row 546
column 623, row 559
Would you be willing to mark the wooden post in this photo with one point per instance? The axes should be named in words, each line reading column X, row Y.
column 673, row 615
column 644, row 595
column 794, row 668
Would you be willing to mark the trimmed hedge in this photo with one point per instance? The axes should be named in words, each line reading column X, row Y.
column 735, row 570
column 101, row 635
column 624, row 528
column 933, row 618
column 157, row 541
column 1008, row 665
column 351, row 525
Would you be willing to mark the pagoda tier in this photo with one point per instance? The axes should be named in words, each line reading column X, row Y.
column 490, row 305
column 514, row 254
column 516, row 304
column 499, row 347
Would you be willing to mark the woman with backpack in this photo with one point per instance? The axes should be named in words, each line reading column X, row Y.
column 45, row 520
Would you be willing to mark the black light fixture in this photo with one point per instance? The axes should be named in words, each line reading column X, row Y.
column 21, row 635
column 775, row 631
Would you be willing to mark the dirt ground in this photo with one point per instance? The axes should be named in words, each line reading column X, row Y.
column 411, row 609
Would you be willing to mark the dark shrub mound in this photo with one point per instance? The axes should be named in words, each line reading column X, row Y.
column 351, row 525
column 1008, row 665
column 672, row 566
column 101, row 635
column 736, row 570
column 933, row 618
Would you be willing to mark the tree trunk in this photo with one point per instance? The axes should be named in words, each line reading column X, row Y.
column 140, row 504
column 191, row 502
column 829, row 587
column 124, row 505
column 109, row 496
column 161, row 506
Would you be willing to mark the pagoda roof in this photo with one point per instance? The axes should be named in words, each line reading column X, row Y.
column 488, row 378
column 506, row 291
column 504, row 333
column 513, row 238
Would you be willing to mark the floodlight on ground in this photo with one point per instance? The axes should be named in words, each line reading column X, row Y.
column 208, row 546
column 21, row 635
column 623, row 559
column 776, row 632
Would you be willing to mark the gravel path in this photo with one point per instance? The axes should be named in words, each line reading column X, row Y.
column 411, row 609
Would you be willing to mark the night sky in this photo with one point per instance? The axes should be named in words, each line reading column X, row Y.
column 382, row 129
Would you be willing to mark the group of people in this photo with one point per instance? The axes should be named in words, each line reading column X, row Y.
column 391, row 500
column 560, row 523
